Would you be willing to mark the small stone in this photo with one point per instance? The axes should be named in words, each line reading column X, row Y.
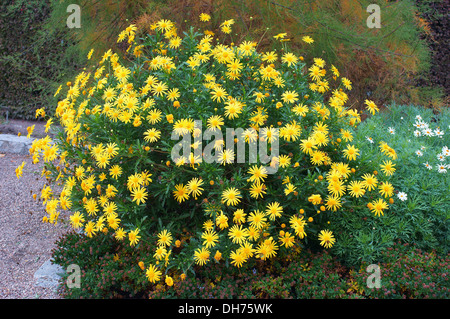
column 48, row 275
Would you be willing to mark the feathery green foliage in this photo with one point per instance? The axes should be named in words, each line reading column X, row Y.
column 33, row 59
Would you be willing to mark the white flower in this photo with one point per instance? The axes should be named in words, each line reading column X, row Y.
column 369, row 139
column 402, row 196
column 418, row 117
column 441, row 157
column 419, row 153
column 438, row 132
column 446, row 151
column 428, row 165
column 417, row 133
column 442, row 168
column 427, row 132
column 421, row 124
column 391, row 130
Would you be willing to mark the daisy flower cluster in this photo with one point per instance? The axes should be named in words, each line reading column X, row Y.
column 119, row 123
column 423, row 129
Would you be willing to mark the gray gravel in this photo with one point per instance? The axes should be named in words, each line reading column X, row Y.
column 25, row 241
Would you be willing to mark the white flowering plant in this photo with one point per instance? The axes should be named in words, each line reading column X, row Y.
column 420, row 209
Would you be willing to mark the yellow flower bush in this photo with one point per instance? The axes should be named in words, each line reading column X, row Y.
column 113, row 153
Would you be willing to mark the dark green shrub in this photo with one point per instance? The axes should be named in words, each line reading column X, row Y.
column 32, row 58
column 112, row 271
column 108, row 269
column 409, row 273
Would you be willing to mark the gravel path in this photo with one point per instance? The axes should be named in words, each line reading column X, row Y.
column 15, row 126
column 25, row 241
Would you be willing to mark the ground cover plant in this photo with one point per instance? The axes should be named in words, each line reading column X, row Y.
column 153, row 217
column 111, row 269
column 420, row 208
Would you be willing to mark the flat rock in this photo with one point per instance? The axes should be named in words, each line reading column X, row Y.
column 48, row 275
column 15, row 144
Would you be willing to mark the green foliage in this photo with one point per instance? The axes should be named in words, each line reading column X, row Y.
column 424, row 218
column 91, row 121
column 111, row 270
column 432, row 17
column 100, row 133
column 409, row 273
column 32, row 59
column 101, row 21
column 318, row 276
column 108, row 269
column 382, row 63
